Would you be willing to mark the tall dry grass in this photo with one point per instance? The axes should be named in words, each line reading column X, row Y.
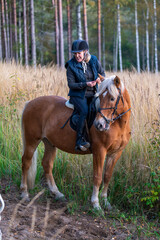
column 19, row 84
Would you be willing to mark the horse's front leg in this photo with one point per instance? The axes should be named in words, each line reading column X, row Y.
column 99, row 154
column 109, row 166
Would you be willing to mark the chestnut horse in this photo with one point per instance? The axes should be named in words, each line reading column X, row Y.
column 43, row 118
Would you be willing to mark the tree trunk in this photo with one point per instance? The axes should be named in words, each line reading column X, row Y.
column 152, row 58
column 25, row 33
column 147, row 37
column 57, row 30
column 20, row 32
column 115, row 44
column 137, row 38
column 4, row 30
column 85, row 21
column 119, row 37
column 10, row 30
column 69, row 29
column 42, row 35
column 1, row 55
column 15, row 30
column 33, row 38
column 155, row 36
column 61, row 34
column 79, row 24
column 143, row 53
column 7, row 23
column 99, row 30
column 103, row 41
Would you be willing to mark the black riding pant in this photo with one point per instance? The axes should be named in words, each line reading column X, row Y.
column 82, row 107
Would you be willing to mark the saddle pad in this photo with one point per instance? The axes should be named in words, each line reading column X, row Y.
column 69, row 105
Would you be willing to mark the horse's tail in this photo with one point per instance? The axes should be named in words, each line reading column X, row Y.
column 2, row 204
column 33, row 168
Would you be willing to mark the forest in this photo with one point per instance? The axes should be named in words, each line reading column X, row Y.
column 35, row 43
column 123, row 34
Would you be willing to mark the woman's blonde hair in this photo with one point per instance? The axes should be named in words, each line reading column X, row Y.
column 87, row 56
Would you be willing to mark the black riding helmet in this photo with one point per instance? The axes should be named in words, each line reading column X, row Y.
column 79, row 46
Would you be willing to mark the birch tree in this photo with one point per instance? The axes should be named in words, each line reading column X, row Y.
column 155, row 36
column 119, row 37
column 79, row 23
column 25, row 33
column 137, row 38
column 85, row 21
column 33, row 38
column 99, row 30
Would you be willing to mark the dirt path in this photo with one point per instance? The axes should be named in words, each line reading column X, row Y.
column 47, row 219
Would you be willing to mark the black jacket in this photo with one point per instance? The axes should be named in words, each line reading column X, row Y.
column 76, row 77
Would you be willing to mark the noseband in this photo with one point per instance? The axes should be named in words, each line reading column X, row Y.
column 114, row 109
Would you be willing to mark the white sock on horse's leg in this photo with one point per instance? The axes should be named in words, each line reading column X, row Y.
column 53, row 188
column 94, row 198
column 104, row 196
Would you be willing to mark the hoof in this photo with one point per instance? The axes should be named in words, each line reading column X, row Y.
column 98, row 211
column 25, row 196
column 107, row 205
column 60, row 197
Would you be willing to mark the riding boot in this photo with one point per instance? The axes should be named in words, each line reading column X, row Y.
column 81, row 143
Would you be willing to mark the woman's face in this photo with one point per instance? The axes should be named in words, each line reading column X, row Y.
column 79, row 56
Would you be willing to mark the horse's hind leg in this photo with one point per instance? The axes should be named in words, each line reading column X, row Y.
column 29, row 150
column 47, row 163
column 109, row 166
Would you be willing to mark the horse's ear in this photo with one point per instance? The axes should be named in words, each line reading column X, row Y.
column 117, row 81
column 101, row 77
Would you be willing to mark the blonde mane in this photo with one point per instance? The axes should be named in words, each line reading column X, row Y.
column 108, row 84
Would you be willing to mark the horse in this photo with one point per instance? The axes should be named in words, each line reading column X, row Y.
column 43, row 118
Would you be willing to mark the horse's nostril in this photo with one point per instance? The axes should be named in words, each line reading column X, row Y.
column 99, row 125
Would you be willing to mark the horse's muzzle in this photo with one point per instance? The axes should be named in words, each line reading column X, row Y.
column 101, row 124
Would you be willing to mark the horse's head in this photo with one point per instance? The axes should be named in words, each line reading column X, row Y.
column 112, row 104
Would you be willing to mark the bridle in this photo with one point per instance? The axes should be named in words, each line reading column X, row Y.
column 108, row 121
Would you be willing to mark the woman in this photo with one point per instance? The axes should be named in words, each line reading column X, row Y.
column 82, row 77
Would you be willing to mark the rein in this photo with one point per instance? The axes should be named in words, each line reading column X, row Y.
column 114, row 109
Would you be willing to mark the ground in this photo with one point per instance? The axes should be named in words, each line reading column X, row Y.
column 45, row 218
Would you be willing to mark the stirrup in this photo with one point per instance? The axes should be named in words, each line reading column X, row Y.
column 85, row 143
column 81, row 148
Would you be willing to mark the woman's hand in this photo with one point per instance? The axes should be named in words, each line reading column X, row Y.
column 98, row 80
column 91, row 84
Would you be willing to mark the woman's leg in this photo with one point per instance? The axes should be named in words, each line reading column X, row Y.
column 81, row 106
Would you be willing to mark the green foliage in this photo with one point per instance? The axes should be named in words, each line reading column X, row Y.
column 152, row 195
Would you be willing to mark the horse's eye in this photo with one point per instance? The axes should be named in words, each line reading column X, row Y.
column 112, row 98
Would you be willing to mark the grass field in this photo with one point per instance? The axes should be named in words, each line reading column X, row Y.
column 135, row 185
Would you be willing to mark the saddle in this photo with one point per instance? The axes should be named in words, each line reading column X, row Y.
column 74, row 118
